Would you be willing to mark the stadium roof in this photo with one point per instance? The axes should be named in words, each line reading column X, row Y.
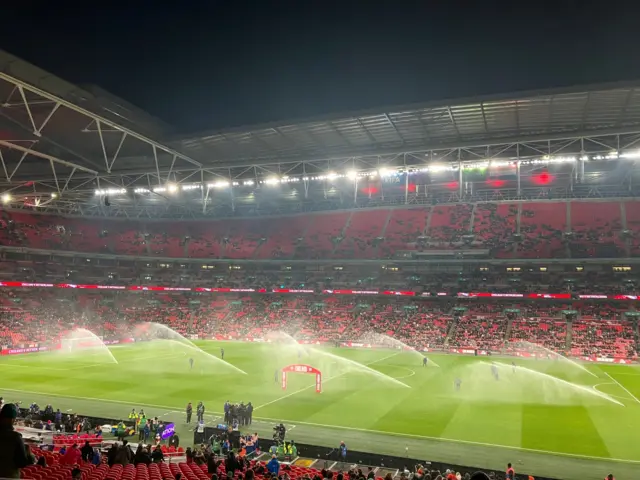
column 57, row 138
column 533, row 115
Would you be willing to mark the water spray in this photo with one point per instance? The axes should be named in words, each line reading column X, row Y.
column 173, row 336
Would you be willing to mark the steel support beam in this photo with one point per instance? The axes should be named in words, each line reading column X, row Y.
column 22, row 86
column 35, row 153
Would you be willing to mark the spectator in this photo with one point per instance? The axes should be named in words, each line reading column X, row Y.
column 72, row 456
column 12, row 451
column 111, row 454
column 157, row 456
column 86, row 451
column 510, row 474
column 273, row 466
column 31, row 458
column 124, row 455
column 97, row 458
column 231, row 464
column 142, row 456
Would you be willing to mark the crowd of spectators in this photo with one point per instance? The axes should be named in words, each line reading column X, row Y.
column 529, row 230
column 33, row 316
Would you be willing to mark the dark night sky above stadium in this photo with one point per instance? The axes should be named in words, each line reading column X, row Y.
column 202, row 65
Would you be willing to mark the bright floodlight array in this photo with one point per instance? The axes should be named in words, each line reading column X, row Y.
column 382, row 172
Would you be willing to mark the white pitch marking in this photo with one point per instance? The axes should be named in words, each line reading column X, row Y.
column 11, row 365
column 595, row 387
column 341, row 427
column 623, row 387
column 313, row 384
column 413, row 372
column 455, row 440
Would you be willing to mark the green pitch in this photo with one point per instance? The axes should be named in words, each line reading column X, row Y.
column 546, row 416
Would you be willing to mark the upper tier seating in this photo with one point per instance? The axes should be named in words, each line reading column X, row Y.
column 542, row 229
column 542, row 226
column 449, row 223
column 494, row 226
column 403, row 229
column 360, row 236
column 596, row 230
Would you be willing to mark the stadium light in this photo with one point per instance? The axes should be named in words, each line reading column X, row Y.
column 352, row 174
column 54, row 195
column 173, row 188
column 631, row 155
column 385, row 172
column 110, row 191
column 248, row 183
column 6, row 198
column 272, row 181
column 141, row 190
column 501, row 163
column 438, row 167
column 219, row 184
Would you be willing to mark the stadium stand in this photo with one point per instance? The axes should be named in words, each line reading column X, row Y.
column 494, row 226
column 542, row 226
column 30, row 315
column 404, row 228
column 198, row 467
column 578, row 229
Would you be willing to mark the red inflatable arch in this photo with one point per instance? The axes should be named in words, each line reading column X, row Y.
column 297, row 368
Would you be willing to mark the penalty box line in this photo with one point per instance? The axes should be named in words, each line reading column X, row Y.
column 341, row 427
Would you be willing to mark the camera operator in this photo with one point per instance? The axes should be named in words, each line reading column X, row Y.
column 279, row 432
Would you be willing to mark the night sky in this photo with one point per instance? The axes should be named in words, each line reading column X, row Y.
column 202, row 65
